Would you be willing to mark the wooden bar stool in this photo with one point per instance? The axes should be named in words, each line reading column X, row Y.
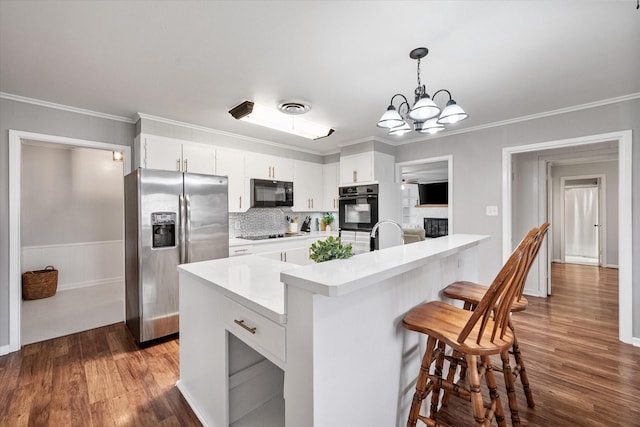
column 474, row 336
column 472, row 293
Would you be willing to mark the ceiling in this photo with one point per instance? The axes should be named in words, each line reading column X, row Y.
column 191, row 61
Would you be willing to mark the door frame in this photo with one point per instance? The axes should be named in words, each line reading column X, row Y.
column 602, row 216
column 449, row 159
column 624, row 139
column 16, row 139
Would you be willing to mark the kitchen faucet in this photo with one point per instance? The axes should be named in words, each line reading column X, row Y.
column 378, row 224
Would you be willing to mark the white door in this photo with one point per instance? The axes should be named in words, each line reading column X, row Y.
column 582, row 224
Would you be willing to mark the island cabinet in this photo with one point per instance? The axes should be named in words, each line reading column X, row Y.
column 155, row 152
column 267, row 343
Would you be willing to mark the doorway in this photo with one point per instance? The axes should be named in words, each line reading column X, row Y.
column 581, row 220
column 17, row 139
column 623, row 139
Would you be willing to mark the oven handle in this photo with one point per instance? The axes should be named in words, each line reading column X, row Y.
column 362, row 196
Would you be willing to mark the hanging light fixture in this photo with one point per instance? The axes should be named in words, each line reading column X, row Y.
column 427, row 117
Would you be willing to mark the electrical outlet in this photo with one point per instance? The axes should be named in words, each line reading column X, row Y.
column 492, row 211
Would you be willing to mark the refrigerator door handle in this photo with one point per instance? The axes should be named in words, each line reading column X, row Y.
column 182, row 231
column 187, row 229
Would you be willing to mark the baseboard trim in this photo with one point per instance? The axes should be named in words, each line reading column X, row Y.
column 189, row 400
column 635, row 342
column 6, row 349
column 87, row 284
column 612, row 266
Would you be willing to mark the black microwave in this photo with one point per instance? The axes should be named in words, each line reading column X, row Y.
column 271, row 194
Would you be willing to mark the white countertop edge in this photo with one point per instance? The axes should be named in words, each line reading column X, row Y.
column 269, row 312
column 320, row 278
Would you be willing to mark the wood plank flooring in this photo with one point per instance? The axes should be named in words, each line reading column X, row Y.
column 93, row 378
column 579, row 372
column 581, row 375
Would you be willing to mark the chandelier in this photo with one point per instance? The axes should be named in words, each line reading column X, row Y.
column 427, row 117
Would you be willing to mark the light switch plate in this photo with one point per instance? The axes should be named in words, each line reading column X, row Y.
column 492, row 211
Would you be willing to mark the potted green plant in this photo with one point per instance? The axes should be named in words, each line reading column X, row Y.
column 327, row 217
column 331, row 248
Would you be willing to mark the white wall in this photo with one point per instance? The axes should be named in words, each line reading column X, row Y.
column 70, row 196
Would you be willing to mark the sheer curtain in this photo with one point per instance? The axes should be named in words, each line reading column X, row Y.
column 581, row 213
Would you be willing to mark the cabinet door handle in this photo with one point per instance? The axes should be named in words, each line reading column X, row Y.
column 240, row 202
column 178, row 165
column 285, row 256
column 240, row 250
column 245, row 327
column 355, row 176
column 186, row 165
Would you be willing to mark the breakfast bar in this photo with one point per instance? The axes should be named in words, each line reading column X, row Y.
column 268, row 343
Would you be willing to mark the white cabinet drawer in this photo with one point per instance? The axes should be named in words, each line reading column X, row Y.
column 264, row 335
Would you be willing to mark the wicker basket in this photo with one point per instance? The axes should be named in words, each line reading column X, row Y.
column 40, row 283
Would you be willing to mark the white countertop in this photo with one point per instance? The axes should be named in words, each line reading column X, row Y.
column 237, row 241
column 339, row 277
column 257, row 282
column 252, row 281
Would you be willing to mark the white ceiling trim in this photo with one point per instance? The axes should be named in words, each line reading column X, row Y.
column 48, row 104
column 223, row 133
column 526, row 118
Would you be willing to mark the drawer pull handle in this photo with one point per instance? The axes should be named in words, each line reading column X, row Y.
column 241, row 323
column 240, row 250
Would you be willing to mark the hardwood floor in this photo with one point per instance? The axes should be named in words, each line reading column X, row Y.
column 581, row 375
column 93, row 378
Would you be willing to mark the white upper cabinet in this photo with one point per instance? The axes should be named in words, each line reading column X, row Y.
column 231, row 164
column 176, row 155
column 356, row 168
column 330, row 187
column 263, row 166
column 307, row 186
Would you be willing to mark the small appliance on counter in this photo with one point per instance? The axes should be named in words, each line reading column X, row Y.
column 305, row 228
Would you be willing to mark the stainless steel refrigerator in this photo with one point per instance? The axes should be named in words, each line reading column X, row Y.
column 171, row 218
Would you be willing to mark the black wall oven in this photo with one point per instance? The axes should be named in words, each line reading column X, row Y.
column 358, row 206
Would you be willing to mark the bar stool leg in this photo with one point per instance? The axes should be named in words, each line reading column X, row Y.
column 520, row 369
column 435, row 393
column 422, row 384
column 496, row 404
column 510, row 386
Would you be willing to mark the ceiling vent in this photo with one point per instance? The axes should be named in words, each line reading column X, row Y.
column 293, row 107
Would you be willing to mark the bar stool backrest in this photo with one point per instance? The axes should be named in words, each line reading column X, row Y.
column 498, row 299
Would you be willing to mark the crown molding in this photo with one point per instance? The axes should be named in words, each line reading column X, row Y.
column 145, row 116
column 586, row 106
column 63, row 107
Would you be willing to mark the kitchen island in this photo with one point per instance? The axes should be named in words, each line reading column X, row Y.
column 267, row 343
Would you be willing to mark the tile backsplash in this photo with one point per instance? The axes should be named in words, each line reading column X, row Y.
column 264, row 221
